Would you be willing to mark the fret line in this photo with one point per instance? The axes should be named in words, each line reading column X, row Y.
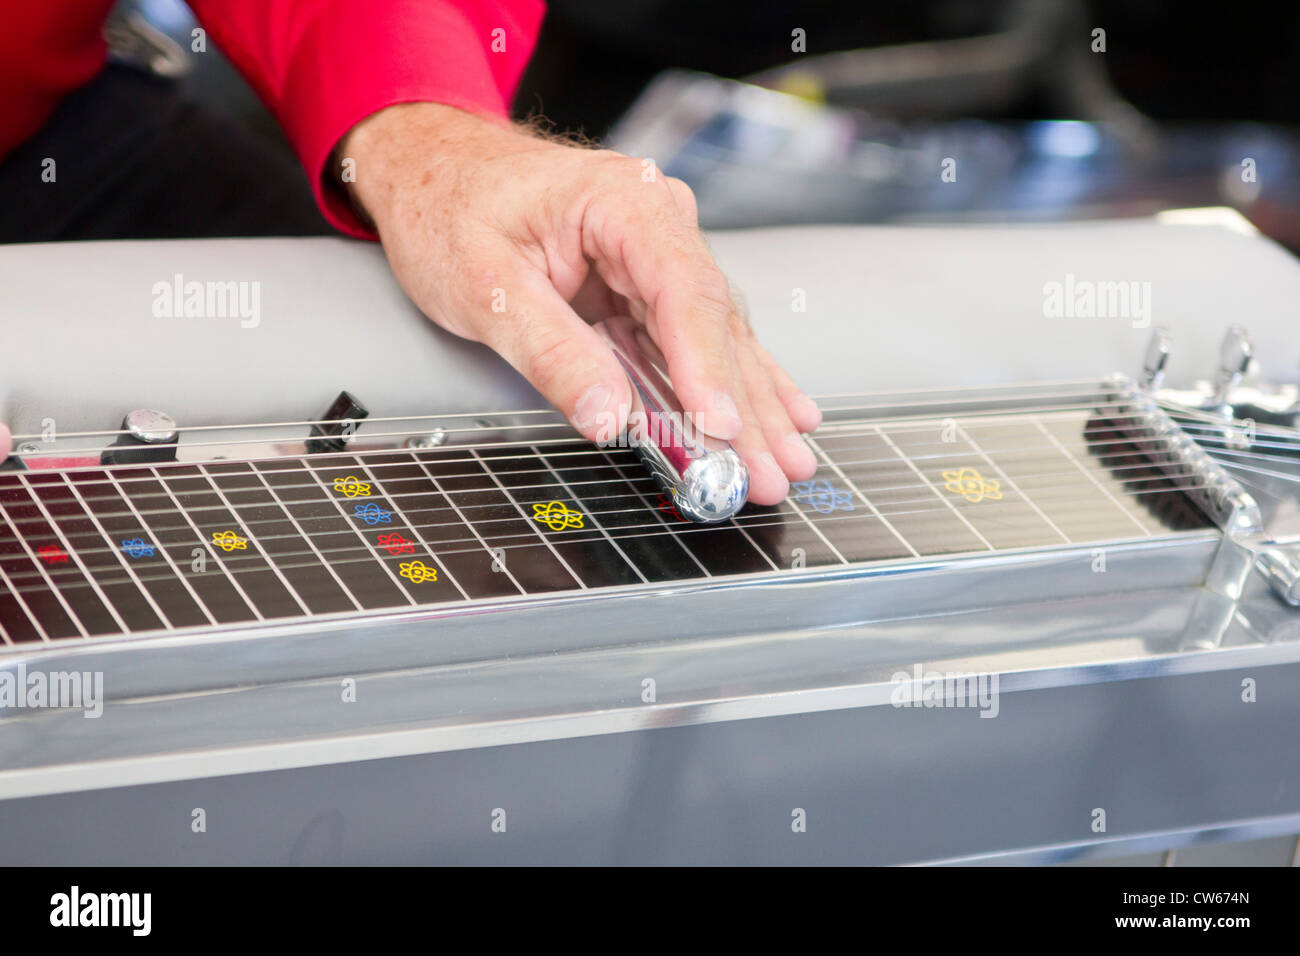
column 1090, row 476
column 144, row 591
column 595, row 520
column 40, row 567
column 72, row 552
column 466, row 522
column 266, row 555
column 243, row 595
column 311, row 469
column 794, row 506
column 1010, row 481
column 410, row 526
column 752, row 543
column 938, row 494
column 306, row 537
column 40, row 628
column 511, row 498
column 867, row 501
column 655, row 511
column 144, row 526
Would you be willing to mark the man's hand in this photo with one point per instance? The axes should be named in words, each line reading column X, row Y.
column 6, row 442
column 518, row 242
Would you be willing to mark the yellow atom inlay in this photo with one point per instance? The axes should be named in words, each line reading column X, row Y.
column 418, row 571
column 972, row 486
column 557, row 516
column 352, row 487
column 229, row 541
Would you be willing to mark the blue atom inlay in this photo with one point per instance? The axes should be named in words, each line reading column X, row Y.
column 372, row 514
column 137, row 548
column 823, row 497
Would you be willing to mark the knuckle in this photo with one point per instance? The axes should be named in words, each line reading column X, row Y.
column 684, row 196
column 739, row 327
column 710, row 285
column 547, row 361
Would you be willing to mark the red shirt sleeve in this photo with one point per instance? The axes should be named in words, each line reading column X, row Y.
column 324, row 65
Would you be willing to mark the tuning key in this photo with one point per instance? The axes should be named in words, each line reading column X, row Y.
column 148, row 436
column 1235, row 355
column 1157, row 357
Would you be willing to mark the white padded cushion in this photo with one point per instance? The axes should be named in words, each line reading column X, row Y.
column 887, row 307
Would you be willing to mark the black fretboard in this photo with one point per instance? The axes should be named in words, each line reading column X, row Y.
column 130, row 549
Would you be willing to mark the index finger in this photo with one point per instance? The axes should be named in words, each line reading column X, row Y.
column 688, row 311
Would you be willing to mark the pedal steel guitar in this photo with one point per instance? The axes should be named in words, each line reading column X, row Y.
column 224, row 580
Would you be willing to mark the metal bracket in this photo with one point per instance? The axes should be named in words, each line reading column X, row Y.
column 1247, row 543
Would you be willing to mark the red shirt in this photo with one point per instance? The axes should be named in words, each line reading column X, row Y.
column 320, row 65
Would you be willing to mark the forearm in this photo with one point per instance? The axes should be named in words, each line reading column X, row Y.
column 412, row 145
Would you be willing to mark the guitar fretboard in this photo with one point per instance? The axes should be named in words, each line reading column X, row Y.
column 97, row 552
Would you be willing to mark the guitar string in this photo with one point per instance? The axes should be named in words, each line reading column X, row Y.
column 1020, row 411
column 371, row 436
column 1231, row 427
column 424, row 458
column 824, row 434
column 894, row 460
column 1082, row 387
column 233, row 563
column 1166, row 467
column 1083, row 400
column 123, row 476
column 1015, row 393
column 1156, row 476
column 153, row 531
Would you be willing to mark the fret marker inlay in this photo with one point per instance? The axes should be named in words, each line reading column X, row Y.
column 972, row 486
column 229, row 541
column 557, row 516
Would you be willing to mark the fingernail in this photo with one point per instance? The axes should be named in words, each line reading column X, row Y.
column 723, row 419
column 591, row 404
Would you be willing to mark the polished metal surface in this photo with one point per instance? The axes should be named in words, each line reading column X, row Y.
column 1251, row 541
column 1121, row 689
column 150, row 426
column 1236, row 393
column 706, row 479
column 254, row 702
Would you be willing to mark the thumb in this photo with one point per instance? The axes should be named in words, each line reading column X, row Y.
column 562, row 357
column 6, row 442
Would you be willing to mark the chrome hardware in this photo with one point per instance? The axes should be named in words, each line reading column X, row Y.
column 1226, row 412
column 1157, row 357
column 1236, row 392
column 1235, row 357
column 707, row 480
column 435, row 439
column 150, row 427
column 1281, row 567
column 1220, row 495
column 147, row 435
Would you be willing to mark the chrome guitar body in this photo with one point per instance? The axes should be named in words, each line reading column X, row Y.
column 1041, row 622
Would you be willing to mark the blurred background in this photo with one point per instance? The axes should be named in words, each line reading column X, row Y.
column 934, row 110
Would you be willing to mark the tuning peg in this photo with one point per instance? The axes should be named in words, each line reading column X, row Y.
column 1235, row 355
column 147, row 436
column 1157, row 357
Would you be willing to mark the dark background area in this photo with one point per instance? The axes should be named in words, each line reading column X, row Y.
column 1171, row 71
column 1174, row 61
